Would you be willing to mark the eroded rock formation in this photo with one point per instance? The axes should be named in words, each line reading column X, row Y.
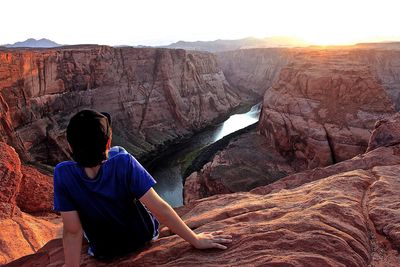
column 10, row 180
column 247, row 162
column 319, row 110
column 253, row 71
column 26, row 188
column 343, row 217
column 323, row 108
column 155, row 96
column 35, row 192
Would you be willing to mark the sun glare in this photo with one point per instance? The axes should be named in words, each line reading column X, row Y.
column 331, row 39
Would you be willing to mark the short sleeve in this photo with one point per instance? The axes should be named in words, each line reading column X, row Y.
column 115, row 150
column 62, row 200
column 139, row 180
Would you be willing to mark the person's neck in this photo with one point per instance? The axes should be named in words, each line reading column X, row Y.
column 92, row 171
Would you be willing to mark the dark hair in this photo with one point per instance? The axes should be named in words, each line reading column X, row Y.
column 87, row 133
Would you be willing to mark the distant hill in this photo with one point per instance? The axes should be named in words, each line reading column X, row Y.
column 225, row 45
column 380, row 45
column 34, row 43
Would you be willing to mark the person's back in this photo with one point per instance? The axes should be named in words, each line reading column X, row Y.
column 113, row 219
column 100, row 194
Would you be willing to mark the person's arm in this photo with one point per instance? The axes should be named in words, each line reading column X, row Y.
column 72, row 238
column 168, row 216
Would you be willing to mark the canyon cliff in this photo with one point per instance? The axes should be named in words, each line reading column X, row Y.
column 155, row 96
column 22, row 233
column 320, row 110
column 253, row 71
column 308, row 177
column 345, row 214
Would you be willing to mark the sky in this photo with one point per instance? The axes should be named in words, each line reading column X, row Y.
column 160, row 22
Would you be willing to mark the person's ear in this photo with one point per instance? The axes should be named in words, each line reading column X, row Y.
column 108, row 146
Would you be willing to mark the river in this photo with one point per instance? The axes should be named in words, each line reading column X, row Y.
column 168, row 171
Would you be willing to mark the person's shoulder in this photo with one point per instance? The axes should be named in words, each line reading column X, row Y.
column 116, row 151
column 119, row 154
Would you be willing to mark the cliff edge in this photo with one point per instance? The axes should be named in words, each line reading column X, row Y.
column 343, row 215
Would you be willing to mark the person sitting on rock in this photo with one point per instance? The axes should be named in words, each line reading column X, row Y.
column 106, row 195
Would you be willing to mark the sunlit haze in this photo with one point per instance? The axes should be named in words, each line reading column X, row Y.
column 159, row 22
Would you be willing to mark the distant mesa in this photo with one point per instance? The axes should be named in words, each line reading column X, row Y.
column 41, row 43
column 380, row 45
column 250, row 42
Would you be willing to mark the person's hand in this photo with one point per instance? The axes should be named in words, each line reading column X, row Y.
column 212, row 240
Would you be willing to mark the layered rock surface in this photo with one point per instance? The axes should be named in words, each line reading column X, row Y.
column 350, row 209
column 319, row 110
column 323, row 108
column 253, row 71
column 346, row 219
column 247, row 162
column 21, row 233
column 155, row 96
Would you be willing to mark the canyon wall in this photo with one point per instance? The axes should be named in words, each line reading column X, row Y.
column 253, row 71
column 155, row 96
column 323, row 107
column 320, row 110
column 385, row 65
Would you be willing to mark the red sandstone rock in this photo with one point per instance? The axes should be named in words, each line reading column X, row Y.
column 20, row 233
column 385, row 152
column 379, row 157
column 386, row 133
column 246, row 163
column 253, row 71
column 322, row 108
column 155, row 96
column 384, row 204
column 36, row 191
column 319, row 110
column 10, row 179
column 325, row 217
column 25, row 234
column 320, row 104
column 322, row 223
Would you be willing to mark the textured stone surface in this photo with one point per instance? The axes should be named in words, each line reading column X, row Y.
column 382, row 151
column 155, row 96
column 20, row 233
column 352, row 214
column 319, row 108
column 386, row 133
column 10, row 179
column 273, row 229
column 247, row 162
column 384, row 203
column 35, row 192
column 379, row 157
column 253, row 70
column 25, row 234
column 323, row 107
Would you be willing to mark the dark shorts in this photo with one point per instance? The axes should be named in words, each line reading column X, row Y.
column 156, row 233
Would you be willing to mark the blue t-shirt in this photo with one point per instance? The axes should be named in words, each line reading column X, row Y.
column 111, row 215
